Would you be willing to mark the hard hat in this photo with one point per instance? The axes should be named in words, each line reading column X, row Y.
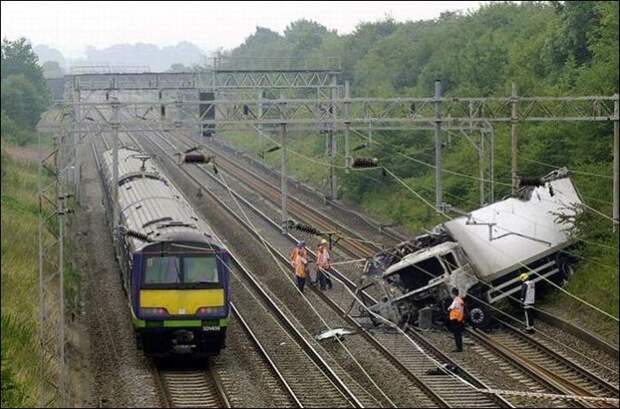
column 323, row 241
column 523, row 277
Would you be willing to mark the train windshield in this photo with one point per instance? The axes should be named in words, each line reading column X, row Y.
column 180, row 270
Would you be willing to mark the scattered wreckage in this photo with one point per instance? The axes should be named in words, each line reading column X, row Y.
column 482, row 253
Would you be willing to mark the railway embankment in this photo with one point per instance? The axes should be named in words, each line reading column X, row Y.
column 22, row 371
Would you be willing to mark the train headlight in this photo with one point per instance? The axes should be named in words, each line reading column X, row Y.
column 208, row 310
column 154, row 312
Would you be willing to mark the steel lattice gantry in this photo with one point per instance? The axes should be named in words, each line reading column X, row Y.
column 350, row 114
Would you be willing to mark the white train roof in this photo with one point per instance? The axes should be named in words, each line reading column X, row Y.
column 151, row 205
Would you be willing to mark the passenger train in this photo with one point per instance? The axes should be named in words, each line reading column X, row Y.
column 174, row 269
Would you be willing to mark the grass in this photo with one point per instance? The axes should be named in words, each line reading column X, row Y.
column 21, row 354
column 596, row 278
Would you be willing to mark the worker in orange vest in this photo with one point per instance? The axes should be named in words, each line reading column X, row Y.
column 323, row 267
column 457, row 319
column 299, row 259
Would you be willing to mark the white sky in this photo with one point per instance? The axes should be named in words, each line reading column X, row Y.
column 70, row 26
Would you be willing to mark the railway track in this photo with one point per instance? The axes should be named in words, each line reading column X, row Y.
column 191, row 389
column 351, row 243
column 571, row 381
column 353, row 250
column 411, row 368
column 296, row 361
column 385, row 230
column 555, row 371
column 550, row 368
column 395, row 236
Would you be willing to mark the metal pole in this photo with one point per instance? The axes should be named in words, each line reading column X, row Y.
column 481, row 166
column 616, row 160
column 76, row 142
column 41, row 282
column 115, row 126
column 492, row 166
column 61, row 291
column 333, row 188
column 261, row 147
column 347, row 126
column 283, row 178
column 514, row 145
column 438, row 167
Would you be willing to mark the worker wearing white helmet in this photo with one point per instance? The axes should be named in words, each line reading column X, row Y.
column 528, row 297
column 323, row 267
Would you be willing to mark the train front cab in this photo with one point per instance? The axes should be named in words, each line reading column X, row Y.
column 180, row 298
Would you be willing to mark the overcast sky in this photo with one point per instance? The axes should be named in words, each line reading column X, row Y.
column 70, row 26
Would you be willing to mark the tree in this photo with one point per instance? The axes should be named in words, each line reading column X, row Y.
column 25, row 94
column 19, row 58
column 303, row 36
column 21, row 100
column 51, row 69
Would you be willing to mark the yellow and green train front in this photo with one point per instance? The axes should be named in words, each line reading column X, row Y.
column 180, row 298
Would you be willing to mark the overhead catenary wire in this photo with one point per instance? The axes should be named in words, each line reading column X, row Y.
column 288, row 277
column 448, row 217
column 304, row 297
column 517, row 392
column 432, row 166
column 507, row 184
column 439, row 365
column 577, row 172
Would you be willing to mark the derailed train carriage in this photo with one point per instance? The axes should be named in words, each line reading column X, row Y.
column 481, row 253
column 174, row 270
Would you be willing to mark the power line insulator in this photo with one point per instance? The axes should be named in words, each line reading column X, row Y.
column 138, row 235
column 272, row 149
column 307, row 229
column 196, row 158
column 365, row 162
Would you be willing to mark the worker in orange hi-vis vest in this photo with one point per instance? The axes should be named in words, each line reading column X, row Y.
column 299, row 259
column 457, row 319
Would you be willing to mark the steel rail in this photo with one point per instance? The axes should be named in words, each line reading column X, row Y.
column 547, row 317
column 432, row 394
column 281, row 379
column 578, row 332
column 282, row 318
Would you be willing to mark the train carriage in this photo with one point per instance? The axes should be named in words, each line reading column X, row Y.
column 174, row 269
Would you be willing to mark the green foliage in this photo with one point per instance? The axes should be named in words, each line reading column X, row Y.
column 25, row 94
column 547, row 48
column 51, row 69
column 22, row 101
column 12, row 391
column 20, row 349
column 14, row 133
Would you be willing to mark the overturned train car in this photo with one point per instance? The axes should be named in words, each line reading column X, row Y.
column 481, row 253
column 174, row 270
